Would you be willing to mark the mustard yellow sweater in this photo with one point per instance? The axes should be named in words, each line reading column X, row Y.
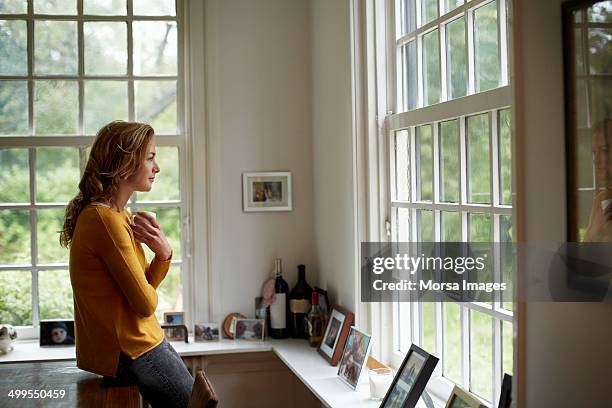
column 114, row 291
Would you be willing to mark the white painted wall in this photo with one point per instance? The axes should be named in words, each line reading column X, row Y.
column 567, row 356
column 259, row 107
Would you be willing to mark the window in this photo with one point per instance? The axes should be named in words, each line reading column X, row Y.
column 66, row 69
column 451, row 169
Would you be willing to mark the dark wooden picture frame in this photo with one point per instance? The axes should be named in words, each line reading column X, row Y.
column 505, row 395
column 55, row 333
column 332, row 354
column 419, row 381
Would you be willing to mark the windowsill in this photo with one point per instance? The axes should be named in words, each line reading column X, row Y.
column 316, row 373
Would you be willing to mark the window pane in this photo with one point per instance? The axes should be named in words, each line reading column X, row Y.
column 505, row 157
column 156, row 105
column 456, row 58
column 170, row 221
column 49, row 222
column 98, row 112
column 450, row 5
column 105, row 48
column 451, row 226
column 600, row 12
column 449, row 161
column 57, row 174
column 481, row 354
column 104, row 7
column 56, row 107
column 407, row 17
column 486, row 47
column 480, row 231
column 55, row 47
column 428, row 321
column 155, row 45
column 16, row 298
column 507, row 348
column 424, row 165
column 166, row 185
column 55, row 295
column 55, row 7
column 507, row 259
column 13, row 108
column 425, row 225
column 13, row 45
column 600, row 107
column 579, row 52
column 154, row 7
column 408, row 80
column 478, row 157
column 403, row 225
column 429, row 11
column 581, row 103
column 401, row 166
column 480, row 227
column 452, row 342
column 15, row 237
column 13, row 7
column 600, row 51
column 14, row 176
column 170, row 293
column 431, row 68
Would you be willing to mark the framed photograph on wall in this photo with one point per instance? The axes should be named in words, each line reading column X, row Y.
column 335, row 334
column 266, row 191
column 354, row 357
column 411, row 379
column 461, row 399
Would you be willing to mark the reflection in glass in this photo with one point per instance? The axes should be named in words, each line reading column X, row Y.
column 407, row 12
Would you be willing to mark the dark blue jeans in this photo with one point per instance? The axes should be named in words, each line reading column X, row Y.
column 161, row 376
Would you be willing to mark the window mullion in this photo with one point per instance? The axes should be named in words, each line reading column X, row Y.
column 81, row 67
column 33, row 236
column 444, row 93
column 30, row 62
column 497, row 358
column 130, row 62
column 465, row 347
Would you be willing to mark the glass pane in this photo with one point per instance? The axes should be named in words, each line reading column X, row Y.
column 451, row 226
column 407, row 17
column 15, row 237
column 49, row 222
column 403, row 225
column 584, row 165
column 156, row 105
column 55, row 295
column 13, row 46
column 56, row 107
column 480, row 231
column 449, row 161
column 401, row 166
column 582, row 102
column 14, row 176
column 105, row 48
column 600, row 50
column 55, row 7
column 486, row 48
column 505, row 157
column 480, row 227
column 98, row 112
column 456, row 58
column 408, row 80
column 424, row 164
column 155, row 45
column 481, row 354
column 170, row 221
column 57, row 174
column 507, row 348
column 429, row 11
column 478, row 157
column 507, row 261
column 154, row 7
column 16, row 298
column 13, row 108
column 431, row 68
column 170, row 293
column 601, row 12
column 55, row 47
column 428, row 321
column 13, row 6
column 425, row 225
column 452, row 342
column 166, row 185
column 404, row 316
column 104, row 7
column 579, row 51
column 450, row 5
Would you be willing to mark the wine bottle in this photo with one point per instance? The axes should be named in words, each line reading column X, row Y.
column 315, row 322
column 279, row 310
column 299, row 305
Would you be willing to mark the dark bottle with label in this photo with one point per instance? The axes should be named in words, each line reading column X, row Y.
column 314, row 321
column 279, row 310
column 299, row 305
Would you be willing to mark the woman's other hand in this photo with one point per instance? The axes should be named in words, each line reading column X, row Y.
column 147, row 230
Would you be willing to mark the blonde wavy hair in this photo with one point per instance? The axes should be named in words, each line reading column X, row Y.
column 118, row 150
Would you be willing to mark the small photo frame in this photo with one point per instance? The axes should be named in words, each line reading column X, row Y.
column 505, row 395
column 174, row 318
column 206, row 332
column 411, row 379
column 249, row 329
column 266, row 191
column 56, row 332
column 335, row 334
column 323, row 301
column 354, row 357
column 461, row 399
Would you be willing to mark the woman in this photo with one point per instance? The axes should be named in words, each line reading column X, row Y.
column 117, row 334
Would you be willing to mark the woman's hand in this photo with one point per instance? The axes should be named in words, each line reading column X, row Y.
column 150, row 233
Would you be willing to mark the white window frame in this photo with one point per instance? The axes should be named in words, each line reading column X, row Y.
column 182, row 139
